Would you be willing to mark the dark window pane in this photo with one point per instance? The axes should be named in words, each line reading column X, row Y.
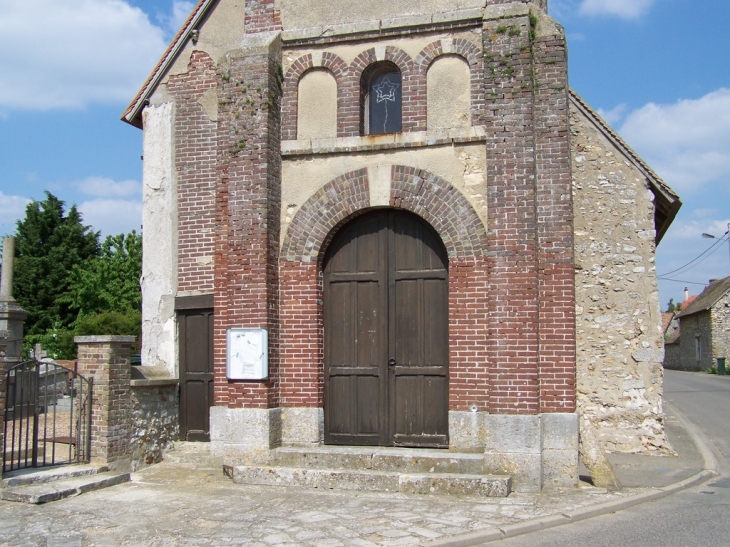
column 385, row 104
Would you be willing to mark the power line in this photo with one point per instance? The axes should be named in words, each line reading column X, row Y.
column 710, row 248
column 681, row 281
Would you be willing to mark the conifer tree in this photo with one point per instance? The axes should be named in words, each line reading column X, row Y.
column 48, row 244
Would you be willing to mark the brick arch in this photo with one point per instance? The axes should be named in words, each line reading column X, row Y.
column 289, row 106
column 414, row 89
column 472, row 55
column 423, row 193
column 301, row 373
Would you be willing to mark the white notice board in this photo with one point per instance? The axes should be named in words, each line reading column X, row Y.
column 247, row 354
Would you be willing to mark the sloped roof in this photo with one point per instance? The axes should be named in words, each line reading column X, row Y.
column 673, row 338
column 667, row 317
column 708, row 298
column 666, row 200
column 133, row 114
column 685, row 303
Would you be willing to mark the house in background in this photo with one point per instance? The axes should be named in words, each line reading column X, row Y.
column 670, row 327
column 703, row 333
column 392, row 224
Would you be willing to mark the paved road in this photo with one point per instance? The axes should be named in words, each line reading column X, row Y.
column 699, row 516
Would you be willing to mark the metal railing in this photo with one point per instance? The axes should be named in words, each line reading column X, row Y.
column 47, row 416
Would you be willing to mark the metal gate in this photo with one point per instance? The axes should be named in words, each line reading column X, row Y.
column 47, row 416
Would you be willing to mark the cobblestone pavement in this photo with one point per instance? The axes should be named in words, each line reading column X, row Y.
column 174, row 504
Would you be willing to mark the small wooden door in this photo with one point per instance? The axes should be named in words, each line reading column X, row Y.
column 386, row 333
column 196, row 373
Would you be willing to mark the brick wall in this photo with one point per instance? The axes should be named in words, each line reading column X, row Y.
column 513, row 289
column 248, row 204
column 195, row 163
column 106, row 360
column 531, row 342
column 556, row 277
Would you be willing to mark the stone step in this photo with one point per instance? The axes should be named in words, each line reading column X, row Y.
column 25, row 477
column 371, row 480
column 192, row 453
column 408, row 460
column 60, row 488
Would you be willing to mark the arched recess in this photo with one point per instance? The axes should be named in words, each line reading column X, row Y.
column 448, row 93
column 290, row 88
column 317, row 105
column 472, row 55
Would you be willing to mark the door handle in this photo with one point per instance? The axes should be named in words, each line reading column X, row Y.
column 391, row 362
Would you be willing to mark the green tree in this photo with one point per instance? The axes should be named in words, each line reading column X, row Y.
column 109, row 281
column 48, row 244
column 674, row 308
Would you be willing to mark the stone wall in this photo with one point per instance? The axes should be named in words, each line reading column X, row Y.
column 721, row 330
column 618, row 321
column 155, row 424
column 696, row 329
column 672, row 356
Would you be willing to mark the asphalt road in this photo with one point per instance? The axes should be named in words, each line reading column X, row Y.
column 699, row 516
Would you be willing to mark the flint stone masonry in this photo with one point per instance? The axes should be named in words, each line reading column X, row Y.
column 618, row 321
column 721, row 330
column 154, row 422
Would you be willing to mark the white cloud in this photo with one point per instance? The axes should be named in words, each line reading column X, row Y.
column 687, row 143
column 112, row 216
column 624, row 9
column 105, row 187
column 69, row 53
column 691, row 230
column 180, row 11
column 614, row 115
column 12, row 209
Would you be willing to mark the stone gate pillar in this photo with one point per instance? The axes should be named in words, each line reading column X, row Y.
column 12, row 317
column 106, row 359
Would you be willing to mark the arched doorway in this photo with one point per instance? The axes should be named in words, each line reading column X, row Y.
column 386, row 333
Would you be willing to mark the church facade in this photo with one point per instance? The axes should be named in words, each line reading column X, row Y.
column 394, row 225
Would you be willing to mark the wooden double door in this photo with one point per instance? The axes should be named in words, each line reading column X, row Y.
column 386, row 333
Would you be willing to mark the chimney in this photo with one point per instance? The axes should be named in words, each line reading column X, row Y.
column 686, row 294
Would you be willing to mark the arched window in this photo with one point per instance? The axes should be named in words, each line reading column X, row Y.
column 381, row 93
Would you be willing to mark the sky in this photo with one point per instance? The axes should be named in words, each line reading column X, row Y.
column 657, row 70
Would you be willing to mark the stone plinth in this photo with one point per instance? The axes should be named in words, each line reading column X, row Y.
column 106, row 359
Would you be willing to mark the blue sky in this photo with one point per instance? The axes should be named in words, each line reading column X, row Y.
column 657, row 70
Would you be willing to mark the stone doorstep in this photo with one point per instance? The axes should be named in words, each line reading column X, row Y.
column 44, row 492
column 402, row 460
column 383, row 469
column 380, row 481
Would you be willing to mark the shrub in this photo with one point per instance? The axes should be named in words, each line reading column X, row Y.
column 110, row 323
